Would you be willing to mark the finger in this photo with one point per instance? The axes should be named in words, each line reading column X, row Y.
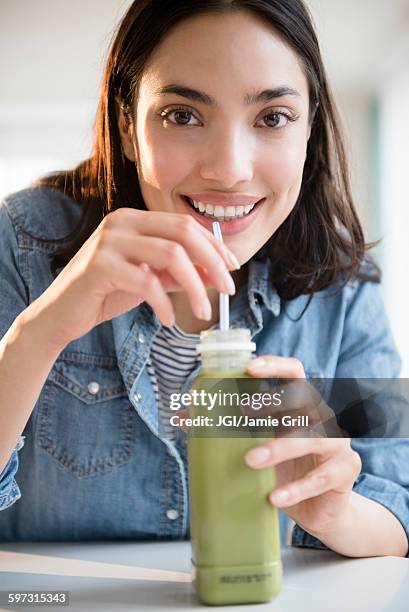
column 147, row 285
column 277, row 366
column 227, row 254
column 198, row 241
column 145, row 222
column 163, row 254
column 298, row 395
column 282, row 449
column 199, row 251
column 170, row 284
column 338, row 474
column 303, row 396
column 189, row 228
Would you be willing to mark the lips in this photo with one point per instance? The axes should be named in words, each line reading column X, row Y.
column 228, row 226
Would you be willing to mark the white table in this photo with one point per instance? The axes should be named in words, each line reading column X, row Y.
column 157, row 576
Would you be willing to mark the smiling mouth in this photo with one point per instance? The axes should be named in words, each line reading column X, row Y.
column 221, row 213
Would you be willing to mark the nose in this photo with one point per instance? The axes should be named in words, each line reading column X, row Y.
column 228, row 158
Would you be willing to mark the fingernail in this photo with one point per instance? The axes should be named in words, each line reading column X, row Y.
column 257, row 456
column 171, row 321
column 233, row 259
column 279, row 497
column 144, row 267
column 229, row 284
column 257, row 363
column 206, row 311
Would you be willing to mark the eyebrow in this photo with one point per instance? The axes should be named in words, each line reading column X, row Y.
column 200, row 96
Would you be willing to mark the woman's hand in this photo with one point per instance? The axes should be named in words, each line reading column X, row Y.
column 134, row 256
column 315, row 476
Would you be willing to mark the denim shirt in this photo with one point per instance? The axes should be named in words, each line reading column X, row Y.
column 91, row 463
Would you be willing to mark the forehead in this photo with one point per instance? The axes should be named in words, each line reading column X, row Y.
column 227, row 53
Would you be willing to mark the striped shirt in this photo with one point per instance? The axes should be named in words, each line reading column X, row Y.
column 173, row 357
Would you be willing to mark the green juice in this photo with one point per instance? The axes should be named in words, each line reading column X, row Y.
column 234, row 528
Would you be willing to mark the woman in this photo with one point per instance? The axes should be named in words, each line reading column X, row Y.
column 211, row 109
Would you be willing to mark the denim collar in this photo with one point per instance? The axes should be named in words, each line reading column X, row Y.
column 260, row 286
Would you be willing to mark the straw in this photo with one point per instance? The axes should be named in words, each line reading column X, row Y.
column 223, row 297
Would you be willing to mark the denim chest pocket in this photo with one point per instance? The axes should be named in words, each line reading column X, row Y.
column 85, row 420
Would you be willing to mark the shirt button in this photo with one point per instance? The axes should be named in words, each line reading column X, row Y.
column 137, row 397
column 172, row 514
column 93, row 388
column 141, row 338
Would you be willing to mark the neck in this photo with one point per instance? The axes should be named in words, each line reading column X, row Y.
column 186, row 320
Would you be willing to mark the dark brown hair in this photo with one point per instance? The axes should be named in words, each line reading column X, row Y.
column 321, row 241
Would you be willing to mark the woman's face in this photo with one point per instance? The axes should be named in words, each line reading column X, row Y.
column 204, row 130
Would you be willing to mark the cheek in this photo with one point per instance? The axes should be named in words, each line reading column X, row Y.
column 285, row 168
column 162, row 163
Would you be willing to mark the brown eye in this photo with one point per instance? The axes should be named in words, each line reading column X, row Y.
column 182, row 117
column 178, row 116
column 274, row 120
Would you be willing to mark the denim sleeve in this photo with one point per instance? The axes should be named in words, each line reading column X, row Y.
column 13, row 300
column 368, row 351
column 9, row 491
column 13, row 290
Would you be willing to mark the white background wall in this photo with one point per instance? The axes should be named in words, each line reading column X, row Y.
column 51, row 59
column 394, row 161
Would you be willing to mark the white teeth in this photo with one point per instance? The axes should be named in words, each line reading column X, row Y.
column 230, row 211
column 222, row 212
